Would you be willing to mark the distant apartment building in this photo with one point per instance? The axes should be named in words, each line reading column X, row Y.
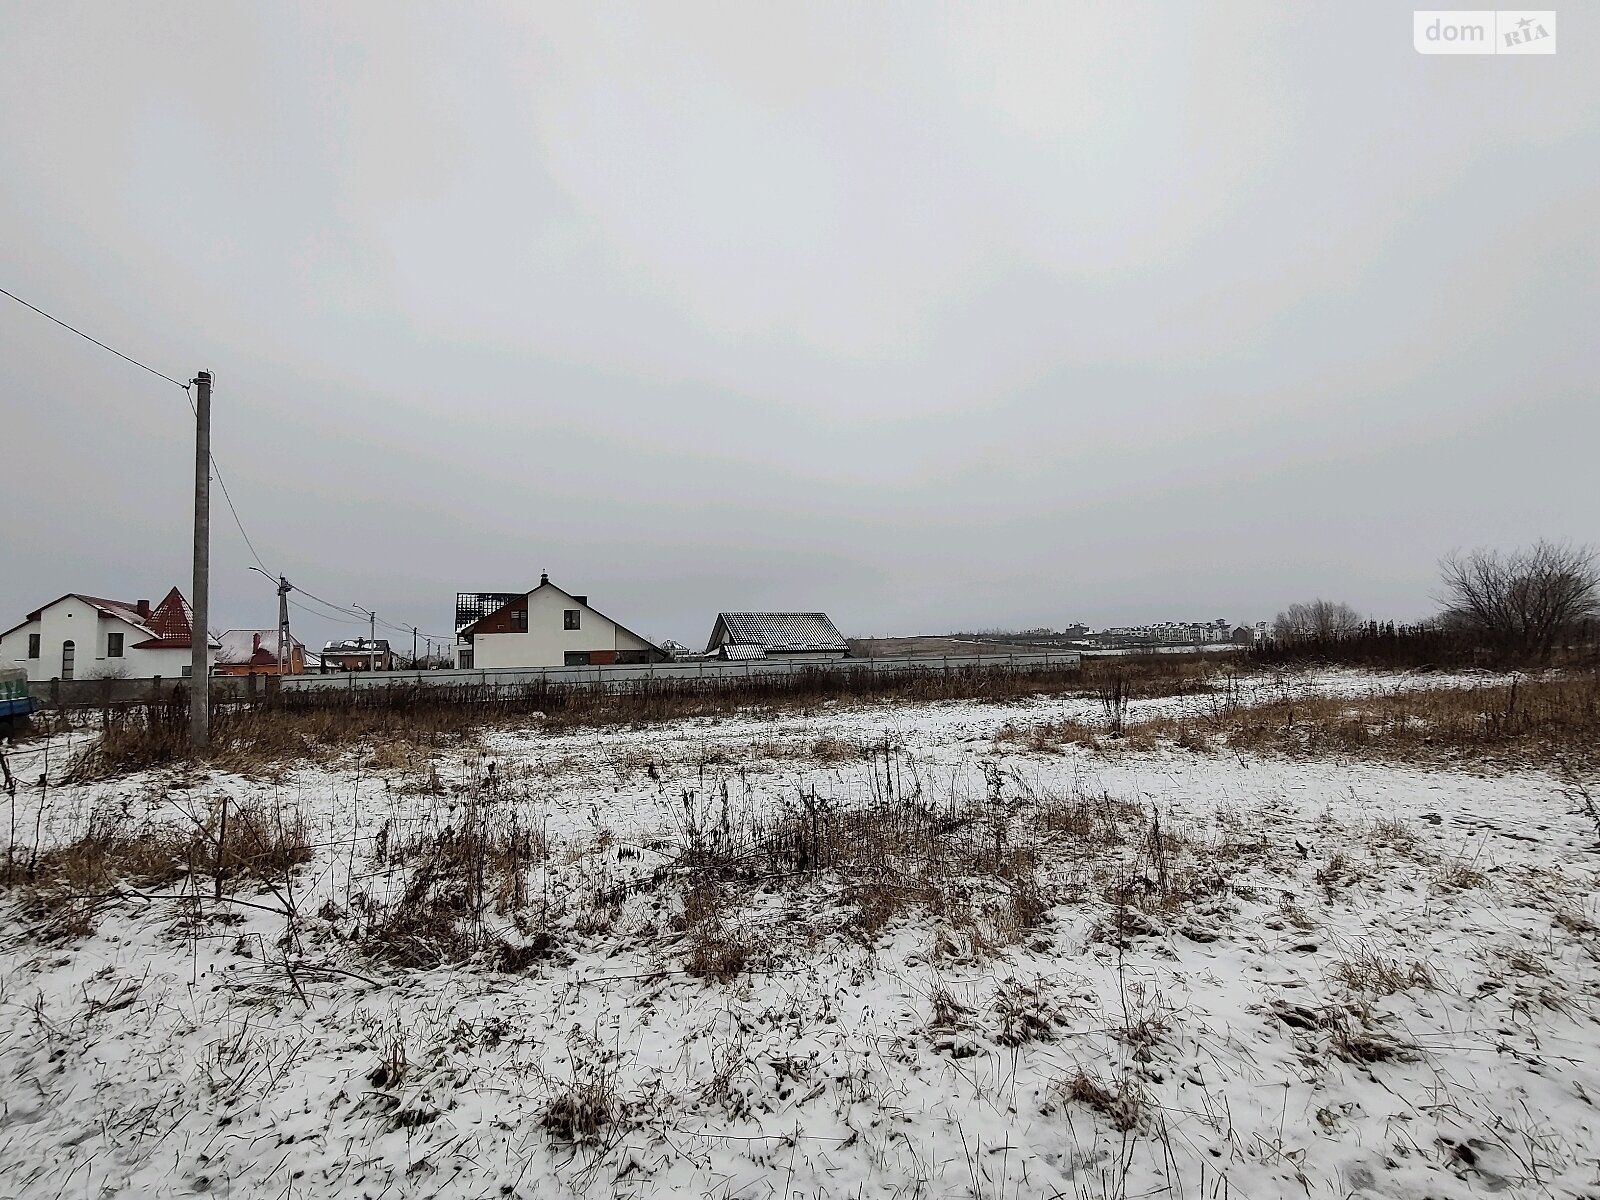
column 1171, row 633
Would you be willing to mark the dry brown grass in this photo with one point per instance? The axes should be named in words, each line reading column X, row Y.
column 1511, row 721
column 581, row 1109
column 68, row 885
column 1354, row 1030
column 258, row 741
column 1090, row 820
column 1366, row 970
column 1025, row 1012
column 457, row 879
column 985, row 871
column 394, row 726
column 717, row 948
column 1459, row 874
column 1122, row 1101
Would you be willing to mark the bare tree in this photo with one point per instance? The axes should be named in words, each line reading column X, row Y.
column 1524, row 600
column 1320, row 619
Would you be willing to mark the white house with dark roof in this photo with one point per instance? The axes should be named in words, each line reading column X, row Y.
column 88, row 637
column 794, row 636
column 549, row 627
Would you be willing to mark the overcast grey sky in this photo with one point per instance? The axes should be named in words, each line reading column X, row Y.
column 927, row 316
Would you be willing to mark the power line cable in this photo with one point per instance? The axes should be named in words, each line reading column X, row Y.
column 410, row 629
column 336, row 607
column 311, row 612
column 216, row 470
column 215, row 467
column 248, row 543
column 96, row 341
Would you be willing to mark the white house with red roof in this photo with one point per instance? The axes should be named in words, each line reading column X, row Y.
column 88, row 637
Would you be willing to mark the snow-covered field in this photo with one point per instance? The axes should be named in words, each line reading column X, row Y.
column 1373, row 980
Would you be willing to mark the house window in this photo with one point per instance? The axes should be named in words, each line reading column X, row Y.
column 33, row 645
column 569, row 618
column 69, row 658
column 113, row 645
column 466, row 660
column 188, row 671
column 519, row 620
column 577, row 658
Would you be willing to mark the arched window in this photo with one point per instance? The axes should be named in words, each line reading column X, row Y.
column 69, row 654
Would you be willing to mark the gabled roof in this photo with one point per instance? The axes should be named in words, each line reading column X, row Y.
column 168, row 623
column 171, row 623
column 123, row 610
column 733, row 652
column 544, row 582
column 252, row 646
column 358, row 645
column 119, row 609
column 777, row 631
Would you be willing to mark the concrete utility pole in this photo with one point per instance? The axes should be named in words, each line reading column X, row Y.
column 199, row 627
column 285, row 642
column 413, row 647
column 372, row 635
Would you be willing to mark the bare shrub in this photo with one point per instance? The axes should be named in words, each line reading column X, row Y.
column 1114, row 694
column 1525, row 601
column 1318, row 619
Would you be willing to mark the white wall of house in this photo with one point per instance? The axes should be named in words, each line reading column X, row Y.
column 547, row 640
column 89, row 630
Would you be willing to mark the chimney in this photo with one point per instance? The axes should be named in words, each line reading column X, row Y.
column 143, row 609
column 544, row 578
column 256, row 639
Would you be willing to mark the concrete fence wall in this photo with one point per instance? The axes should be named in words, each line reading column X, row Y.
column 710, row 671
column 101, row 693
